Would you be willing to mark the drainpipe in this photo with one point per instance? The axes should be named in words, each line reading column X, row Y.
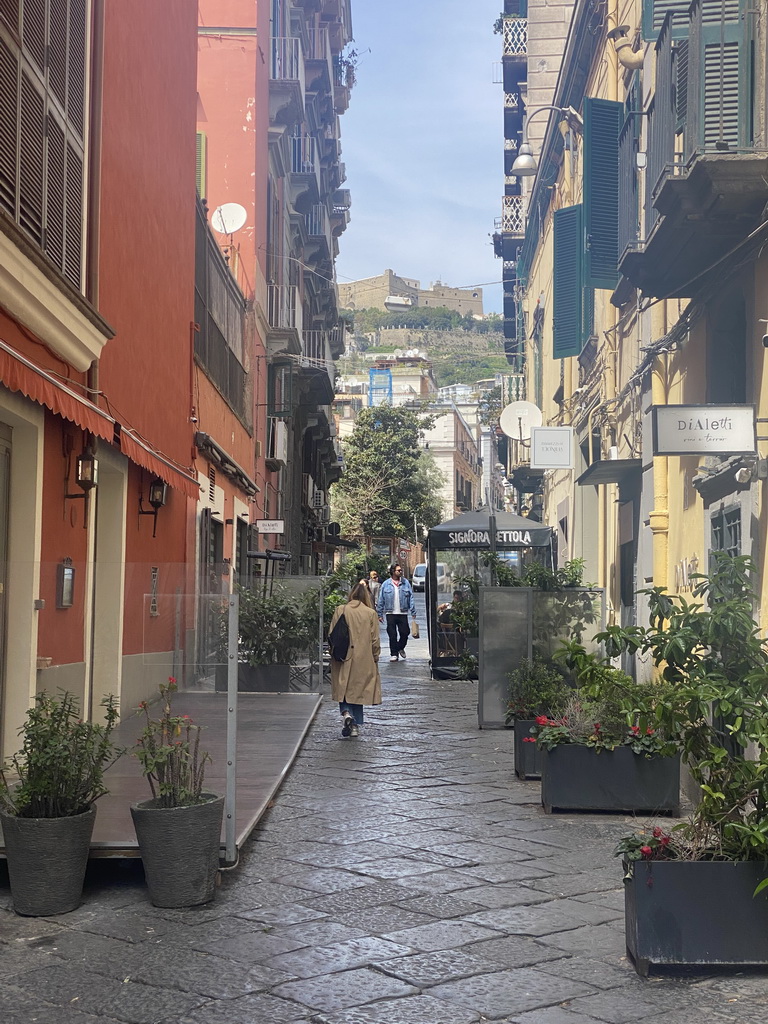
column 659, row 517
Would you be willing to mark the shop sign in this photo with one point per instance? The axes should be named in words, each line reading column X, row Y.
column 481, row 538
column 270, row 525
column 551, row 447
column 703, row 429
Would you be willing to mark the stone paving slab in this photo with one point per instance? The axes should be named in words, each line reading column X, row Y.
column 449, row 897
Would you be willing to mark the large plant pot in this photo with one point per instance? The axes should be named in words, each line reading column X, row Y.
column 257, row 678
column 47, row 858
column 179, row 848
column 578, row 778
column 695, row 912
column 527, row 755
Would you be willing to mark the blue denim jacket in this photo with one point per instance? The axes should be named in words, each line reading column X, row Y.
column 386, row 601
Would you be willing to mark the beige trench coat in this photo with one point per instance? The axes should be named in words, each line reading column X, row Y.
column 356, row 680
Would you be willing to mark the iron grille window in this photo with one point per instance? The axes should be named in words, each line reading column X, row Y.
column 220, row 316
column 726, row 530
column 42, row 116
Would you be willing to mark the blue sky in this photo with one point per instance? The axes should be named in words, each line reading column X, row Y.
column 423, row 143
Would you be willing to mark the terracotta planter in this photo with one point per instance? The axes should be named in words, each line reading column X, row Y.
column 179, row 849
column 47, row 858
column 577, row 778
column 695, row 912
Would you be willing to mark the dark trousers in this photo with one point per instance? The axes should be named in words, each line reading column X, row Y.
column 397, row 624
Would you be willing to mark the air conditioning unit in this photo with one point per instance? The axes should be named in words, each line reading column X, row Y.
column 318, row 499
column 325, row 514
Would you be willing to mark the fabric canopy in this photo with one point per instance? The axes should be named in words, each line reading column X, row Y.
column 471, row 530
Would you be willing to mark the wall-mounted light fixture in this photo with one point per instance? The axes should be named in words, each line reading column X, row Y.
column 525, row 165
column 86, row 474
column 157, row 497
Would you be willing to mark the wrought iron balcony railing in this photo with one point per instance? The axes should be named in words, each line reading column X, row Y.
column 515, row 37
column 287, row 60
column 513, row 215
column 283, row 307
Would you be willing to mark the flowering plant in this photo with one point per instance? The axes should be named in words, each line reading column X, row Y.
column 169, row 753
column 654, row 845
column 597, row 725
column 535, row 688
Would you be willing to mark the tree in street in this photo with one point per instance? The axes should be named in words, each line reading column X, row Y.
column 388, row 480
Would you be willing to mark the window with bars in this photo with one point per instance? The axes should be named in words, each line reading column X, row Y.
column 42, row 121
column 726, row 530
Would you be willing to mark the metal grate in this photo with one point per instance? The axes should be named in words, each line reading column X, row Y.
column 513, row 214
column 515, row 37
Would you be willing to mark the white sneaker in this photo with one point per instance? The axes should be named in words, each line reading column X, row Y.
column 393, row 658
column 354, row 730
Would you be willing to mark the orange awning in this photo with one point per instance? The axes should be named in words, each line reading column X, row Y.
column 138, row 452
column 19, row 374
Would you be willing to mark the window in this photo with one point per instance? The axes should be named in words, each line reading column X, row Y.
column 654, row 12
column 573, row 299
column 726, row 530
column 280, row 390
column 42, row 119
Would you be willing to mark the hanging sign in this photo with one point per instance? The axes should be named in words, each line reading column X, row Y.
column 703, row 429
column 270, row 525
column 551, row 447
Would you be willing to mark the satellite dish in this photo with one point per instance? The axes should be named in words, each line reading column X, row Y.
column 228, row 218
column 517, row 418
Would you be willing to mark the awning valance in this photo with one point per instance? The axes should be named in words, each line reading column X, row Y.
column 471, row 531
column 140, row 453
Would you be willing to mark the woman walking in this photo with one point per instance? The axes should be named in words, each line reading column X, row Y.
column 355, row 681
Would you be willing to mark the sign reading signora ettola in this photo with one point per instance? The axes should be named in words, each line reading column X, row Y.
column 471, row 530
column 270, row 525
column 703, row 429
column 551, row 447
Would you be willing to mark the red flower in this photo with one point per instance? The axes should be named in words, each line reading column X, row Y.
column 649, row 732
column 529, row 739
column 597, row 727
column 635, row 729
column 142, row 705
column 657, row 832
column 646, row 851
column 664, row 840
column 542, row 720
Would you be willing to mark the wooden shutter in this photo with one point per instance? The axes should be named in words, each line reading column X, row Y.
column 654, row 12
column 73, row 248
column 76, row 64
column 568, row 281
column 9, row 12
column 55, row 172
column 202, row 164
column 32, row 133
column 34, row 31
column 9, row 120
column 602, row 125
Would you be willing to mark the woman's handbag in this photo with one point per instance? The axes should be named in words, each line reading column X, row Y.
column 415, row 629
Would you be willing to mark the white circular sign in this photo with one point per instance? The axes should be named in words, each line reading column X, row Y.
column 518, row 418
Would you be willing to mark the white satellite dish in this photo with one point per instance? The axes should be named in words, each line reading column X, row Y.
column 518, row 418
column 228, row 218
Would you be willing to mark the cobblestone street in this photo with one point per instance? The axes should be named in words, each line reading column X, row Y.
column 405, row 877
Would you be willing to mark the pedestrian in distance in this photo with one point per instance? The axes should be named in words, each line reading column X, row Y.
column 355, row 681
column 395, row 603
column 374, row 585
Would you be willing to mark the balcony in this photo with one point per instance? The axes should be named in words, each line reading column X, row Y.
column 287, row 87
column 319, row 61
column 705, row 176
column 305, row 175
column 341, row 202
column 285, row 319
column 515, row 37
column 318, row 367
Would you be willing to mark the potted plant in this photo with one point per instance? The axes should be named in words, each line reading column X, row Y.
column 179, row 829
column 701, row 897
column 536, row 688
column 605, row 751
column 48, row 793
column 275, row 629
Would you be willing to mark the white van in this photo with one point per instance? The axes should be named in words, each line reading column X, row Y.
column 420, row 575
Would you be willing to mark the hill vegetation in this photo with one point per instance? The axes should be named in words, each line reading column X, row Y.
column 462, row 350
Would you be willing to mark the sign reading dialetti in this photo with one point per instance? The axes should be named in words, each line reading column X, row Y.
column 270, row 525
column 703, row 429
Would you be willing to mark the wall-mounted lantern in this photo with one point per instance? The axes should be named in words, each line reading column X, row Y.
column 157, row 497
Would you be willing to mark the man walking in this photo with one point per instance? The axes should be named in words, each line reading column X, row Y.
column 396, row 601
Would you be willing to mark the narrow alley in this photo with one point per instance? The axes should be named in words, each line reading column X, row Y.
column 405, row 877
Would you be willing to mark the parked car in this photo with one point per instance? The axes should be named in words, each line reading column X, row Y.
column 420, row 575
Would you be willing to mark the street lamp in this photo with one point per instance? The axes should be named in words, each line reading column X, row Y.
column 525, row 165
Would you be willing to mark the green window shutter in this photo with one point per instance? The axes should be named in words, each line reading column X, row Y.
column 587, row 314
column 202, row 164
column 568, row 281
column 603, row 120
column 681, row 85
column 720, row 77
column 654, row 12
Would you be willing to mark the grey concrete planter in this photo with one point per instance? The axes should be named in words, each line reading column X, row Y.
column 179, row 848
column 47, row 858
column 695, row 913
column 527, row 755
column 578, row 778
